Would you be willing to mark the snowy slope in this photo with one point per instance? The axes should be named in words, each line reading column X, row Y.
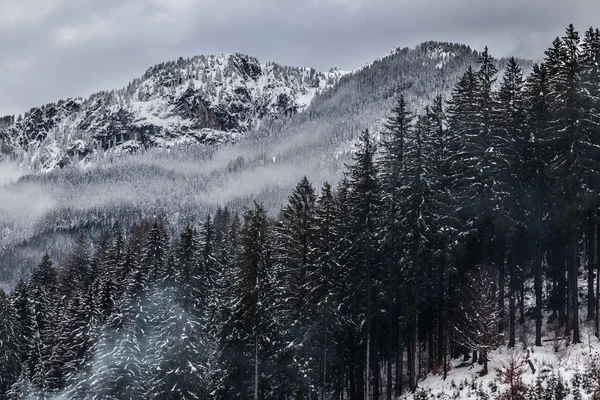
column 557, row 364
column 572, row 366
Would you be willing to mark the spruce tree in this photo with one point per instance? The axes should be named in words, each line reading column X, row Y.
column 537, row 120
column 118, row 366
column 247, row 331
column 509, row 139
column 443, row 244
column 182, row 344
column 419, row 221
column 363, row 265
column 391, row 165
column 322, row 285
column 293, row 264
column 10, row 346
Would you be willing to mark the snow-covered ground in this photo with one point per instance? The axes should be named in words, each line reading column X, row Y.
column 554, row 360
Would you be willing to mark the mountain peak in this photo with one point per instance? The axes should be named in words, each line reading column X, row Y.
column 206, row 99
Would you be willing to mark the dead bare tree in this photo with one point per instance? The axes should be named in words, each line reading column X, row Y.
column 477, row 325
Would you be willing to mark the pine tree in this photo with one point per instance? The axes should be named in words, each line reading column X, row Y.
column 509, row 140
column 293, row 263
column 246, row 331
column 75, row 272
column 574, row 156
column 537, row 120
column 591, row 85
column 43, row 305
column 182, row 344
column 322, row 285
column 74, row 343
column 443, row 243
column 155, row 253
column 418, row 219
column 117, row 267
column 10, row 346
column 21, row 302
column 391, row 165
column 117, row 368
column 364, row 275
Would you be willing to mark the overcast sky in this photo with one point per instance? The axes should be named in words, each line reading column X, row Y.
column 52, row 49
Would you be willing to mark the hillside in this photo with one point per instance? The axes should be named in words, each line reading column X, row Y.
column 260, row 154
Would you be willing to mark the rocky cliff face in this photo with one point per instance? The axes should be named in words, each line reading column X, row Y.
column 204, row 99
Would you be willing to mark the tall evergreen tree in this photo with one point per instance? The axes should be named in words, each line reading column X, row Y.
column 391, row 165
column 248, row 329
column 363, row 266
column 294, row 263
column 509, row 139
column 537, row 120
column 10, row 346
column 182, row 343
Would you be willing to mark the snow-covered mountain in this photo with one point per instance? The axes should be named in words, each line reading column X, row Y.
column 204, row 99
column 256, row 130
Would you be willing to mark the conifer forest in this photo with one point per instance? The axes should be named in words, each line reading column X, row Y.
column 458, row 228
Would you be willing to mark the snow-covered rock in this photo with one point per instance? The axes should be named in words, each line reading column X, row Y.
column 203, row 99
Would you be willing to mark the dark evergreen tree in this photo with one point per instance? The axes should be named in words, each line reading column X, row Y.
column 537, row 120
column 509, row 138
column 391, row 164
column 247, row 331
column 293, row 264
column 363, row 267
column 322, row 289
column 443, row 242
column 10, row 345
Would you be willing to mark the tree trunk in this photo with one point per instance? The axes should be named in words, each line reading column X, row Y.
column 242, row 382
column 352, row 378
column 389, row 384
column 574, row 288
column 324, row 383
column 431, row 353
column 501, row 282
column 445, row 361
column 511, row 299
column 569, row 287
column 376, row 369
column 521, row 300
column 414, row 344
column 538, row 271
column 368, row 352
column 414, row 356
column 597, row 266
column 400, row 365
column 360, row 383
column 441, row 331
column 445, row 339
column 591, row 303
column 255, row 367
column 484, row 359
column 342, row 382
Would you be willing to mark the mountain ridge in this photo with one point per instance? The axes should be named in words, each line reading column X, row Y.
column 205, row 99
column 192, row 178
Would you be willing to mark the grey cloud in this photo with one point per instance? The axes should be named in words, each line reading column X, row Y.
column 62, row 48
